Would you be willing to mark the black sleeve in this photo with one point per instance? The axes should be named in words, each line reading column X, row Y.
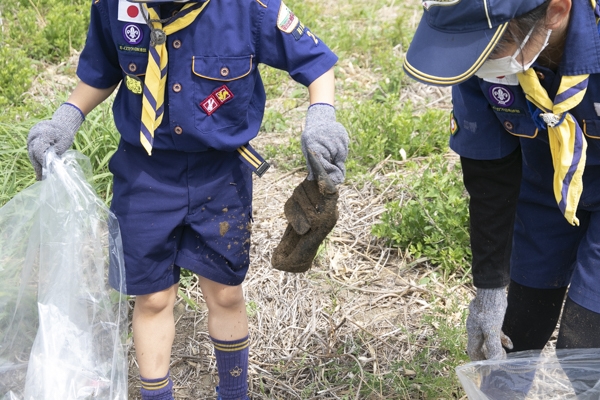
column 493, row 187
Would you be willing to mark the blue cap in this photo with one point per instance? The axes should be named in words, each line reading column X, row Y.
column 455, row 37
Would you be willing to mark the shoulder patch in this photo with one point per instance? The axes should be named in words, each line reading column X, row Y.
column 286, row 20
column 453, row 124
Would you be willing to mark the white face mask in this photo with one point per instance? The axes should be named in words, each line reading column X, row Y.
column 509, row 65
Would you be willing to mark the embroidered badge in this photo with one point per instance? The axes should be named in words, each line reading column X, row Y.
column 216, row 99
column 453, row 124
column 129, row 12
column 501, row 95
column 299, row 31
column 312, row 36
column 236, row 372
column 134, row 84
column 286, row 20
column 132, row 34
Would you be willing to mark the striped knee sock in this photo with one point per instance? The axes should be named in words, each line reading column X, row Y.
column 157, row 389
column 232, row 364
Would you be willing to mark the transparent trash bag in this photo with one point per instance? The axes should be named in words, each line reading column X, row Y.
column 551, row 374
column 63, row 314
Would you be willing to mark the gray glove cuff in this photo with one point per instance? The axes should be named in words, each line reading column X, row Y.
column 69, row 116
column 489, row 299
column 318, row 113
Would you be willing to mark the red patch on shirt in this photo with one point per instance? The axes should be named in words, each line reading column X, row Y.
column 216, row 99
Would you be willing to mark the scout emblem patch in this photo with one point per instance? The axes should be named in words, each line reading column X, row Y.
column 286, row 20
column 134, row 84
column 216, row 99
column 501, row 95
column 130, row 12
column 132, row 34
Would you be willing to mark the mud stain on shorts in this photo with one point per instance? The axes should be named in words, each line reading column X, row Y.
column 223, row 228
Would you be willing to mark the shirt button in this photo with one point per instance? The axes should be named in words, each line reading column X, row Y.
column 177, row 43
column 178, row 130
column 177, row 88
column 508, row 125
column 224, row 71
column 132, row 67
column 540, row 75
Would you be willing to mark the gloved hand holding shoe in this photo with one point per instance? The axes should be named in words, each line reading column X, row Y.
column 312, row 213
column 328, row 139
column 486, row 341
column 59, row 133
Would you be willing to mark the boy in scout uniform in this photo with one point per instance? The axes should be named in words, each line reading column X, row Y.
column 191, row 98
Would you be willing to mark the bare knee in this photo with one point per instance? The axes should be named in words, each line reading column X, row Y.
column 221, row 296
column 156, row 303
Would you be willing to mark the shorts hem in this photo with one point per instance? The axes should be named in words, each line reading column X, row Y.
column 208, row 272
column 142, row 289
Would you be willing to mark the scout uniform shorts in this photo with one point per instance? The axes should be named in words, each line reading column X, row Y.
column 181, row 210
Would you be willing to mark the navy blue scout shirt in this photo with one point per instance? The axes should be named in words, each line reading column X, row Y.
column 491, row 120
column 221, row 48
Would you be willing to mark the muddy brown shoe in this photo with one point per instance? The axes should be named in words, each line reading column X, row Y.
column 312, row 213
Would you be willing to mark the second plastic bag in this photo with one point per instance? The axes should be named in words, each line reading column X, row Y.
column 562, row 374
column 63, row 326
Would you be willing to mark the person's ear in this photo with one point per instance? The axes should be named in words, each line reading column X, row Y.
column 558, row 13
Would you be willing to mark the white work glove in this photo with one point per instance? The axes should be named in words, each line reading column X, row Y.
column 484, row 325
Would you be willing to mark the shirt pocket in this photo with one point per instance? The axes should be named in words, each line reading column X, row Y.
column 520, row 124
column 223, row 87
column 591, row 128
column 134, row 64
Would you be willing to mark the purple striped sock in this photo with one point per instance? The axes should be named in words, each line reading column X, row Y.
column 157, row 389
column 232, row 364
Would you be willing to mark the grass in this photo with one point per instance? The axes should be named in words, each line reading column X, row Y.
column 426, row 216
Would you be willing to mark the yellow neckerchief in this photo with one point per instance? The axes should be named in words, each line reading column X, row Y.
column 156, row 73
column 567, row 142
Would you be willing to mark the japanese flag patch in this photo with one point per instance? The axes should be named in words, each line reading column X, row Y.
column 130, row 12
column 286, row 20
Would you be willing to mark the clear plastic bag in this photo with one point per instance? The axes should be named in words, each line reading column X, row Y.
column 552, row 374
column 63, row 326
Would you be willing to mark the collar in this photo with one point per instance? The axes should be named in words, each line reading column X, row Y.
column 582, row 45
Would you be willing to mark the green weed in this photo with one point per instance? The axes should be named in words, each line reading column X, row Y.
column 432, row 220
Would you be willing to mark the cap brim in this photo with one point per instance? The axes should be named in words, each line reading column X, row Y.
column 444, row 59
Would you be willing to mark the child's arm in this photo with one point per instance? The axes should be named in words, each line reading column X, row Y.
column 86, row 98
column 59, row 132
column 322, row 89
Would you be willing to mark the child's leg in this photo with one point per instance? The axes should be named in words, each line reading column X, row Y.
column 228, row 328
column 153, row 335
